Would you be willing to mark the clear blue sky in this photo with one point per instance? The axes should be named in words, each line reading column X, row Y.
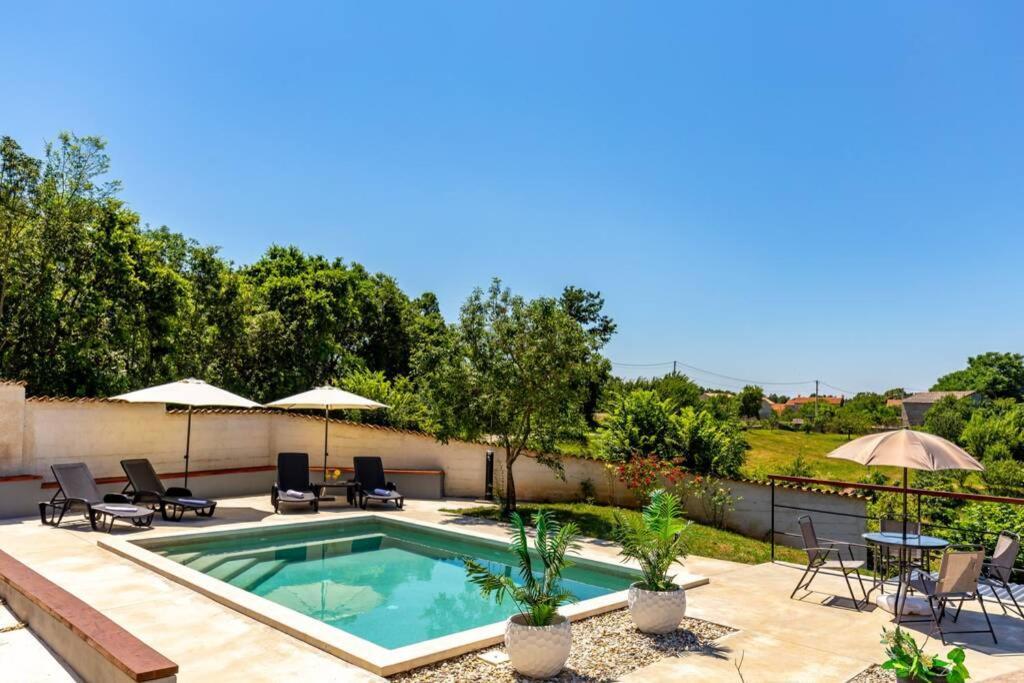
column 776, row 191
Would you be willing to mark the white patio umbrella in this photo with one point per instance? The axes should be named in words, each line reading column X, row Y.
column 908, row 449
column 188, row 392
column 329, row 398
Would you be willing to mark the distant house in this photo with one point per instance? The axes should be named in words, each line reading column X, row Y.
column 916, row 405
column 796, row 402
column 894, row 403
column 767, row 408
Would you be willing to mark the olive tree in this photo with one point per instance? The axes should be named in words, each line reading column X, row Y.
column 513, row 371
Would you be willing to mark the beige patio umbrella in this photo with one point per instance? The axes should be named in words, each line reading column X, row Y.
column 909, row 449
column 329, row 398
column 188, row 392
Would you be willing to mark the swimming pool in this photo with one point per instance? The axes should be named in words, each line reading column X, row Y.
column 386, row 581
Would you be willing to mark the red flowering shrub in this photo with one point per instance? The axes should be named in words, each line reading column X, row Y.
column 642, row 474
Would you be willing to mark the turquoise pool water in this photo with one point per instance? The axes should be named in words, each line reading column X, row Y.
column 388, row 582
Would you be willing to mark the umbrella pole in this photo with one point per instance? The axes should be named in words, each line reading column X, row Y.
column 904, row 504
column 188, row 443
column 327, row 421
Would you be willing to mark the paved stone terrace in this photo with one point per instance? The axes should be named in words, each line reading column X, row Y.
column 778, row 639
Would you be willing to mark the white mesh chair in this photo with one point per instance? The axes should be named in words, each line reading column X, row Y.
column 828, row 557
column 957, row 580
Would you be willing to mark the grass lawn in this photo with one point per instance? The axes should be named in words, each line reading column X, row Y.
column 771, row 450
column 596, row 521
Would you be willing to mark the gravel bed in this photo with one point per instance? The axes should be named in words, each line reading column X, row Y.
column 874, row 674
column 603, row 648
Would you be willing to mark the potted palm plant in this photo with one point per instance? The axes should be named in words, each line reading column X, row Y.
column 537, row 638
column 656, row 541
column 911, row 665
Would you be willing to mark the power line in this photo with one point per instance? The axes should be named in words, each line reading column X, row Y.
column 741, row 379
column 642, row 365
column 719, row 375
column 708, row 372
column 839, row 389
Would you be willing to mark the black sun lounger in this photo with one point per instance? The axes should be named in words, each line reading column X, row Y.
column 146, row 488
column 371, row 484
column 77, row 488
column 293, row 485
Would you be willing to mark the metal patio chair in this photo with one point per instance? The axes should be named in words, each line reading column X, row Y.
column 997, row 572
column 957, row 580
column 829, row 557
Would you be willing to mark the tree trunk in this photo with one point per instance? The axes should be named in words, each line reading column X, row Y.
column 509, row 505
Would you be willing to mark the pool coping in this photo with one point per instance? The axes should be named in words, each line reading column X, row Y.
column 348, row 647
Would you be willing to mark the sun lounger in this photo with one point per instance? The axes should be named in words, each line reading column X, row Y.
column 293, row 485
column 146, row 488
column 77, row 488
column 371, row 484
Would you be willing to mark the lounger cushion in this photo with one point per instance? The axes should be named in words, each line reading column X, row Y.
column 298, row 496
column 121, row 510
column 188, row 502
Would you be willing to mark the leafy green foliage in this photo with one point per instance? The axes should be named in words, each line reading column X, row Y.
column 909, row 662
column 713, row 496
column 640, row 422
column 975, row 519
column 643, row 474
column 948, row 417
column 710, row 445
column 94, row 303
column 1004, row 477
column 749, row 401
column 405, row 408
column 994, row 375
column 655, row 539
column 536, row 598
column 995, row 432
column 598, row 521
column 798, row 467
column 513, row 369
column 674, row 387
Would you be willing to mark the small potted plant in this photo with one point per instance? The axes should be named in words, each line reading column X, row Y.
column 911, row 665
column 656, row 541
column 538, row 638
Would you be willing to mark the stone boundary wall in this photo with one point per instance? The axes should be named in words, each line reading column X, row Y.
column 36, row 433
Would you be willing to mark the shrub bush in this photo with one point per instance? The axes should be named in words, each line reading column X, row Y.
column 1004, row 477
column 639, row 422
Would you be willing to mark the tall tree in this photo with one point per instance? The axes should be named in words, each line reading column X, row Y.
column 512, row 370
column 994, row 375
column 749, row 401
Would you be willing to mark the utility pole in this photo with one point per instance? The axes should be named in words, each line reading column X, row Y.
column 815, row 402
column 673, row 367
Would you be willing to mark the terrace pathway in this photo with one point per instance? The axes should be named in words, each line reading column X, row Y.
column 779, row 639
column 209, row 641
column 25, row 656
column 804, row 640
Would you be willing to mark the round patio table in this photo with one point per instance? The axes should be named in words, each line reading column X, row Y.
column 906, row 544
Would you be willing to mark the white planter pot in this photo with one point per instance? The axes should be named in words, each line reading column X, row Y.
column 537, row 651
column 656, row 611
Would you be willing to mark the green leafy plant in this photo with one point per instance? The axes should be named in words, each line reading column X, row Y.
column 655, row 539
column 714, row 498
column 538, row 594
column 798, row 467
column 908, row 661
